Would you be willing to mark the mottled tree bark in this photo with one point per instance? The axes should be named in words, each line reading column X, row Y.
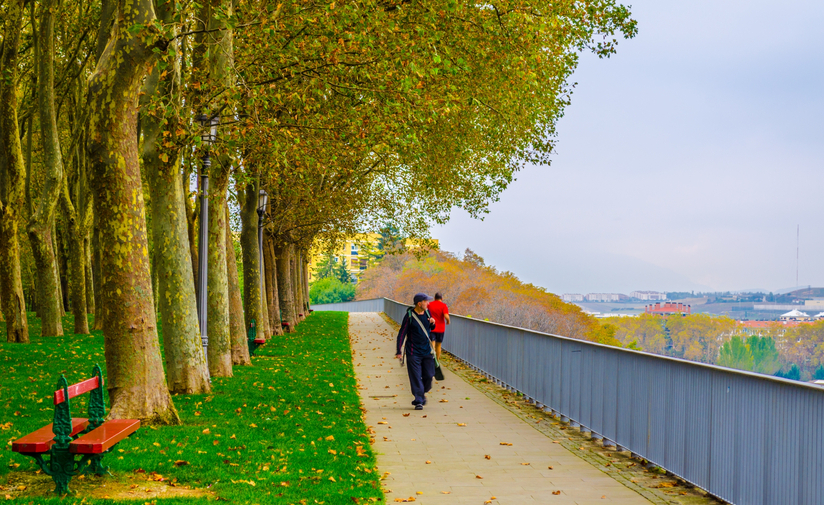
column 61, row 252
column 41, row 223
column 271, row 276
column 240, row 346
column 217, row 44
column 77, row 261
column 287, row 304
column 252, row 305
column 220, row 344
column 186, row 370
column 136, row 383
column 87, row 255
column 12, row 180
column 297, row 291
column 96, row 255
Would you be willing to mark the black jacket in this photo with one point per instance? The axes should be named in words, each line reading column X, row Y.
column 417, row 341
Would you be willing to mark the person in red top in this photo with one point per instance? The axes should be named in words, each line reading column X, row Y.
column 440, row 312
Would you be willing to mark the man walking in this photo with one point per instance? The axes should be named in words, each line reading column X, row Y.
column 413, row 345
column 440, row 312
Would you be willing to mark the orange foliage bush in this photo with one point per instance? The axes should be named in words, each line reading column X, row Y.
column 473, row 289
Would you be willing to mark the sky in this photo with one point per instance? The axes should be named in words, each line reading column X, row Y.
column 685, row 162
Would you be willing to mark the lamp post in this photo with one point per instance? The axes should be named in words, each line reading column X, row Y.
column 208, row 138
column 263, row 198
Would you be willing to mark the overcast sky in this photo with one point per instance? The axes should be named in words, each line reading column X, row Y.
column 685, row 161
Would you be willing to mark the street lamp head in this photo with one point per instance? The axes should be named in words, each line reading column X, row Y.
column 263, row 198
column 210, row 124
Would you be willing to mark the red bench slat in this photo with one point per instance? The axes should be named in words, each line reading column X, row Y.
column 104, row 437
column 76, row 390
column 42, row 439
column 260, row 340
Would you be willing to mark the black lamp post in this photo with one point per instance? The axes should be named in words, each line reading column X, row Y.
column 208, row 138
column 263, row 198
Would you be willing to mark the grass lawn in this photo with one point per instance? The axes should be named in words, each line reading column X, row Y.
column 287, row 429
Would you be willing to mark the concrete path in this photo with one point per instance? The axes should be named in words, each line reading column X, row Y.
column 463, row 447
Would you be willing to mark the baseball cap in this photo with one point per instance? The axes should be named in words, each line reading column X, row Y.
column 421, row 297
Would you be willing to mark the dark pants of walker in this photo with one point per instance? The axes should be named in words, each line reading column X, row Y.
column 421, row 369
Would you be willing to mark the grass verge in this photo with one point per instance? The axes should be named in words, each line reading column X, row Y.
column 288, row 429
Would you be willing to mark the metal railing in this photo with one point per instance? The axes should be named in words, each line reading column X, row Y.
column 747, row 438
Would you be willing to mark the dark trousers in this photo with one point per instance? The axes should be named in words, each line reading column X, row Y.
column 421, row 369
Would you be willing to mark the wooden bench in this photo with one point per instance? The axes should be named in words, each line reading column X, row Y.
column 75, row 446
column 251, row 337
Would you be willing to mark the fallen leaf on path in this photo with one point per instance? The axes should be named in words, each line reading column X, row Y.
column 556, row 492
column 487, row 456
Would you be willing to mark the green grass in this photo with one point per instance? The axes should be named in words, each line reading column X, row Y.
column 284, row 430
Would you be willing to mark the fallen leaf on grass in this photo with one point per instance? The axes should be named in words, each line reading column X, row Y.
column 181, row 462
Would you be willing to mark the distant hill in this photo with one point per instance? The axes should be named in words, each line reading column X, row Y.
column 472, row 288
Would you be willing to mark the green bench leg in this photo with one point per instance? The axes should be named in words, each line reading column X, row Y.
column 61, row 469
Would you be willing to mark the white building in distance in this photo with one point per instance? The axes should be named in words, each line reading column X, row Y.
column 572, row 297
column 648, row 295
column 605, row 297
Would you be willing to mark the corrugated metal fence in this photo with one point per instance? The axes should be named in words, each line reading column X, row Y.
column 747, row 438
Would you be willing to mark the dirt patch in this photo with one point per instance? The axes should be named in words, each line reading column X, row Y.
column 136, row 486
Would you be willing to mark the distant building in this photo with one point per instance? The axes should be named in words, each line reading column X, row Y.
column 572, row 297
column 667, row 309
column 795, row 315
column 606, row 297
column 648, row 295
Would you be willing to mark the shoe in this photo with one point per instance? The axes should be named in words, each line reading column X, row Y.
column 414, row 402
column 418, row 406
column 424, row 400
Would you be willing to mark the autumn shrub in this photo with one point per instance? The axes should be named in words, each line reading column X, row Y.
column 472, row 288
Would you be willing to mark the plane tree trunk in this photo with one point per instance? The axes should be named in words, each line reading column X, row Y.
column 12, row 181
column 240, row 347
column 41, row 223
column 252, row 304
column 135, row 379
column 284, row 280
column 186, row 370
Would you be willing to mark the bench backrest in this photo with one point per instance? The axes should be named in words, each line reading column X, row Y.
column 77, row 389
column 62, row 405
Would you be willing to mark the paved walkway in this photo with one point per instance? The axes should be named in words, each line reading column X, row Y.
column 463, row 447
